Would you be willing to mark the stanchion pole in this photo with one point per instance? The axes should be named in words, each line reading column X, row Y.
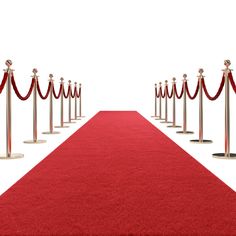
column 51, row 131
column 200, row 139
column 160, row 110
column 166, row 105
column 35, row 109
column 226, row 154
column 9, row 155
column 62, row 108
column 69, row 105
column 155, row 103
column 76, row 117
column 80, row 102
column 184, row 131
column 174, row 107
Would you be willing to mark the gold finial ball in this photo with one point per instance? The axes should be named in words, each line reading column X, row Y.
column 200, row 71
column 80, row 85
column 227, row 63
column 69, row 81
column 174, row 79
column 8, row 63
column 166, row 81
column 160, row 83
column 35, row 71
column 61, row 79
column 185, row 76
column 50, row 76
column 75, row 83
column 155, row 85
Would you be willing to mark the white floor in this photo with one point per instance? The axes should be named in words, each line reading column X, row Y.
column 12, row 170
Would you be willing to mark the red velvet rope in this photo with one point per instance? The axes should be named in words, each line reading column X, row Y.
column 68, row 92
column 181, row 93
column 78, row 94
column 196, row 91
column 47, row 93
column 231, row 79
column 73, row 95
column 218, row 92
column 23, row 98
column 168, row 94
column 160, row 93
column 157, row 95
column 59, row 93
column 4, row 80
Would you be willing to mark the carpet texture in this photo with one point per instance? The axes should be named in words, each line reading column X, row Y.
column 118, row 175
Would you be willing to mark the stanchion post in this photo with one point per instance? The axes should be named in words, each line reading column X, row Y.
column 9, row 155
column 174, row 107
column 80, row 102
column 160, row 101
column 62, row 107
column 184, row 131
column 226, row 154
column 200, row 139
column 51, row 131
column 75, row 97
column 155, row 102
column 69, row 104
column 35, row 109
column 166, row 104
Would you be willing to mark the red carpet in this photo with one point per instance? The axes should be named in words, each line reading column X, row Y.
column 118, row 175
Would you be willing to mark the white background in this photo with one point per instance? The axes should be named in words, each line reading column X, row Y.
column 118, row 50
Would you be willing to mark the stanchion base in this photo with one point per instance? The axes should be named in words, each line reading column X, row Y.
column 76, row 119
column 160, row 118
column 174, row 126
column 155, row 116
column 223, row 156
column 69, row 122
column 185, row 132
column 166, row 122
column 35, row 141
column 49, row 132
column 80, row 116
column 204, row 141
column 64, row 126
column 13, row 156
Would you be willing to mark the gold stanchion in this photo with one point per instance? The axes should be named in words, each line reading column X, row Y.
column 69, row 105
column 155, row 102
column 9, row 155
column 184, row 131
column 173, row 108
column 160, row 98
column 35, row 129
column 226, row 154
column 75, row 117
column 51, row 131
column 166, row 104
column 62, row 108
column 80, row 102
column 200, row 139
